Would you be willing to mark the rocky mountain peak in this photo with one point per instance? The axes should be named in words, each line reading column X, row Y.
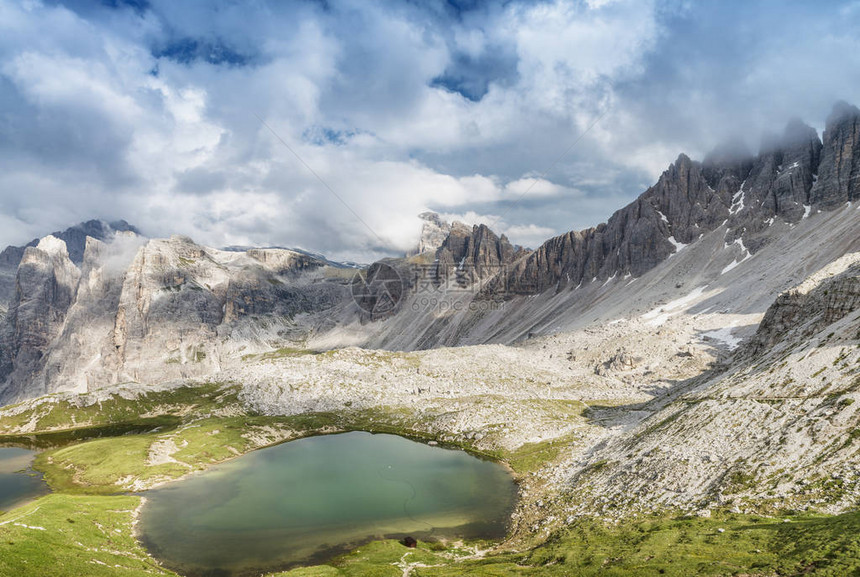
column 75, row 240
column 793, row 174
column 434, row 231
column 731, row 158
column 841, row 112
column 839, row 173
column 46, row 285
column 53, row 246
column 473, row 253
column 797, row 131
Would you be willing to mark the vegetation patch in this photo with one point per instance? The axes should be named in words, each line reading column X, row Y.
column 71, row 536
column 57, row 415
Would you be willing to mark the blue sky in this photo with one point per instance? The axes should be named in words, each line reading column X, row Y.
column 150, row 110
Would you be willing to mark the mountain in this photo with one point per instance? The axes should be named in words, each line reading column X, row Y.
column 434, row 231
column 728, row 234
column 136, row 306
column 687, row 372
column 793, row 175
column 75, row 238
column 469, row 254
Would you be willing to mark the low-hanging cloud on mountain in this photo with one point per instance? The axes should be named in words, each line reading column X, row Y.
column 154, row 111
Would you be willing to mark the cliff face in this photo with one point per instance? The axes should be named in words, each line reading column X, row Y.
column 434, row 231
column 669, row 215
column 794, row 174
column 825, row 298
column 46, row 285
column 153, row 310
column 839, row 174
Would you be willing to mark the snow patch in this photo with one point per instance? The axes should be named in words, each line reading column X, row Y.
column 723, row 335
column 661, row 314
column 807, row 209
column 738, row 200
column 679, row 246
column 745, row 254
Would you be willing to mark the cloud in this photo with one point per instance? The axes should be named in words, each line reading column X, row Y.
column 150, row 110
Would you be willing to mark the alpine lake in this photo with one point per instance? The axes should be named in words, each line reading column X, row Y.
column 306, row 501
column 18, row 482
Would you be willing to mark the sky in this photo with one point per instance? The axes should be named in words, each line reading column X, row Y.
column 331, row 124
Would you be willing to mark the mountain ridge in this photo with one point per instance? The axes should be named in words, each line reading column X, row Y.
column 692, row 198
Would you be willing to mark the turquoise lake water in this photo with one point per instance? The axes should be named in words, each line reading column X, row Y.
column 304, row 501
column 18, row 484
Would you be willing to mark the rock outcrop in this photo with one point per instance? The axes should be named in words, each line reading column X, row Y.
column 46, row 286
column 470, row 254
column 825, row 298
column 839, row 174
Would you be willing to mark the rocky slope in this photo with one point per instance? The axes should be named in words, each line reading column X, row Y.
column 776, row 424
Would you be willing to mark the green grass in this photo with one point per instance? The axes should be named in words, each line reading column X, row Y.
column 660, row 545
column 78, row 536
column 281, row 353
column 532, row 456
column 103, row 466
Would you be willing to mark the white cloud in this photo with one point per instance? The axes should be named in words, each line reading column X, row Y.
column 536, row 186
column 96, row 125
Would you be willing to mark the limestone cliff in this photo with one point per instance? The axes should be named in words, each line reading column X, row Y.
column 434, row 231
column 148, row 310
column 46, row 287
column 75, row 238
